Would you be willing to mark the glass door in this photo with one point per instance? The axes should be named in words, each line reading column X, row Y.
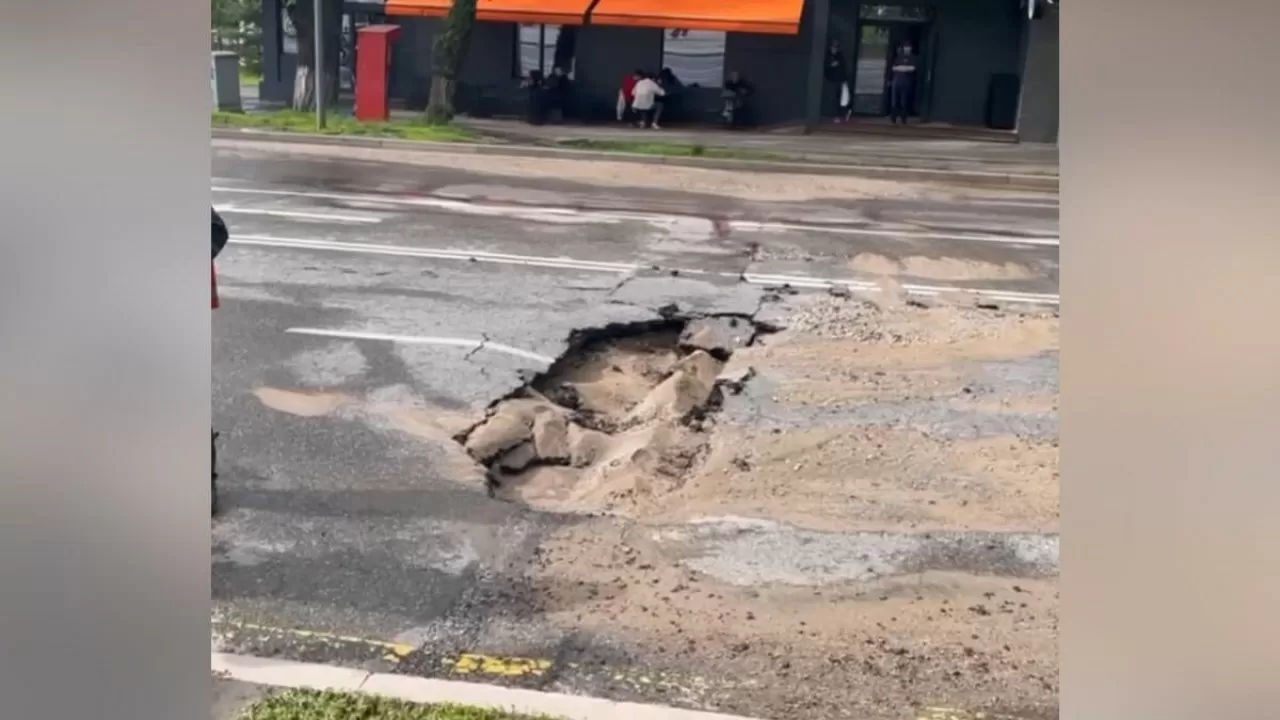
column 870, row 69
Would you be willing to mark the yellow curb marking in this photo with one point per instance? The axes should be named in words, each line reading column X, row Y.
column 939, row 713
column 396, row 651
column 467, row 664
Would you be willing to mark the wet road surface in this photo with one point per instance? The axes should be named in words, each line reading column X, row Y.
column 372, row 310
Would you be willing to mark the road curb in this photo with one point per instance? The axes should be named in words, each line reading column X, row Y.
column 970, row 178
column 297, row 675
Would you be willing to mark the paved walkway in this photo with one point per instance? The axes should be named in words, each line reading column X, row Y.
column 1030, row 158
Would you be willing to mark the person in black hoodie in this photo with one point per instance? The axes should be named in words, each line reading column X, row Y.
column 836, row 74
column 669, row 102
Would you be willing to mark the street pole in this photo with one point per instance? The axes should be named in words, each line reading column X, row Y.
column 317, row 72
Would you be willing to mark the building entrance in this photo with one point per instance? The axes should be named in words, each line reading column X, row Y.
column 882, row 31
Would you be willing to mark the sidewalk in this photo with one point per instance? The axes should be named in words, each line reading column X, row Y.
column 829, row 147
column 968, row 162
column 240, row 680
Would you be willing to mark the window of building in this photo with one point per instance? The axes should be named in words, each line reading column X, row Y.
column 902, row 13
column 695, row 56
column 542, row 47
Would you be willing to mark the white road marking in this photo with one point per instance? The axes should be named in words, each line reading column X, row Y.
column 753, row 226
column 563, row 263
column 334, row 217
column 436, row 254
column 472, row 345
column 679, row 223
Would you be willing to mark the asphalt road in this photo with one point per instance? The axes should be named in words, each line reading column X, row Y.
column 369, row 308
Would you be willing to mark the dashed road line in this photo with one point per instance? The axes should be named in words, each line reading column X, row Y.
column 297, row 214
column 467, row 343
column 554, row 214
column 563, row 263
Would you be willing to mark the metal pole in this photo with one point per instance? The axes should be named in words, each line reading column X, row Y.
column 317, row 73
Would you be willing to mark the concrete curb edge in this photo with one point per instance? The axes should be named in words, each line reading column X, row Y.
column 297, row 675
column 1008, row 181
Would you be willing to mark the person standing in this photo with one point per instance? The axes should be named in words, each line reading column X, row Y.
column 735, row 93
column 902, row 84
column 836, row 74
column 671, row 93
column 645, row 100
column 558, row 89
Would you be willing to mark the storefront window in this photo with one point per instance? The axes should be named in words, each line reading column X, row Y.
column 695, row 56
column 539, row 46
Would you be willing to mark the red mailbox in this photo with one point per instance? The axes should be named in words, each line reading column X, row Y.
column 373, row 64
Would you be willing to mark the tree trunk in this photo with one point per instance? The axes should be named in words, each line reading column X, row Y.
column 448, row 54
column 301, row 13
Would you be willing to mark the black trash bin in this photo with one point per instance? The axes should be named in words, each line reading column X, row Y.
column 1002, row 101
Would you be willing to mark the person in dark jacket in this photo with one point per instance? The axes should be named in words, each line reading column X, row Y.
column 669, row 102
column 902, row 84
column 735, row 95
column 836, row 75
column 535, row 101
column 559, row 87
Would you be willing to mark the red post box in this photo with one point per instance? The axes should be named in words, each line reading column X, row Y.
column 373, row 64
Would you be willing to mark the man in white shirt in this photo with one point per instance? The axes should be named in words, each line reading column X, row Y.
column 645, row 100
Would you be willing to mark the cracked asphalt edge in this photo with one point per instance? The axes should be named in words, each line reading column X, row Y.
column 539, row 674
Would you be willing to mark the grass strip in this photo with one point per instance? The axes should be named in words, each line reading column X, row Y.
column 670, row 149
column 331, row 705
column 305, row 123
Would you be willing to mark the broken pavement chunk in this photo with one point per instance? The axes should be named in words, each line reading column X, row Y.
column 719, row 336
column 735, row 379
column 518, row 458
column 688, row 387
column 586, row 446
column 498, row 434
column 551, row 437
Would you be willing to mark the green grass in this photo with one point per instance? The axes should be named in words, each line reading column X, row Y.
column 313, row 705
column 305, row 122
column 640, row 147
column 250, row 78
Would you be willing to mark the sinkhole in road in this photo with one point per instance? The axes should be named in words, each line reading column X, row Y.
column 620, row 418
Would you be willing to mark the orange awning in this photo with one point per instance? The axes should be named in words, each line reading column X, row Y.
column 545, row 12
column 424, row 8
column 778, row 17
column 533, row 12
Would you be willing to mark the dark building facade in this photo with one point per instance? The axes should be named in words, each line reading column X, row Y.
column 982, row 63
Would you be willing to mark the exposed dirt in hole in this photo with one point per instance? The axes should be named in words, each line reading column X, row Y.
column 847, row 479
column 618, row 421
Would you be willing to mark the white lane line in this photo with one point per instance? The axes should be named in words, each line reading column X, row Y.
column 564, row 215
column 334, row 217
column 754, row 226
column 765, row 279
column 436, row 254
column 469, row 344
